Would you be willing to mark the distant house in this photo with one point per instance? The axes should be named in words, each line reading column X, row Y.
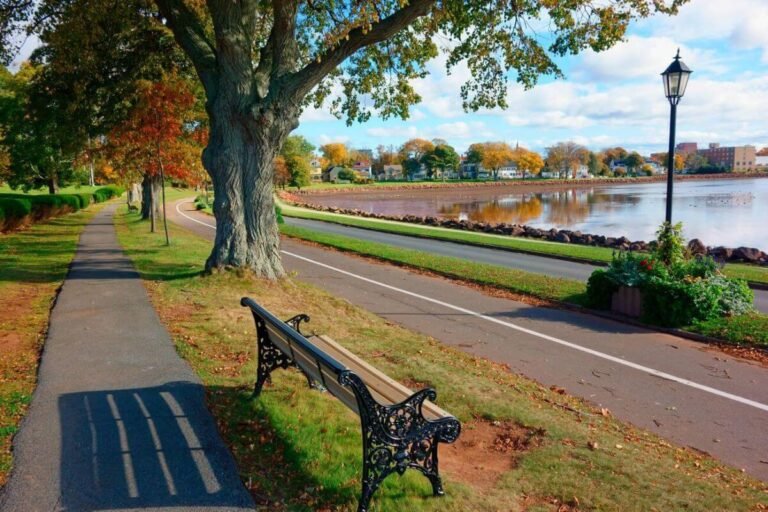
column 316, row 169
column 391, row 172
column 331, row 174
column 509, row 172
column 620, row 166
column 654, row 165
column 363, row 168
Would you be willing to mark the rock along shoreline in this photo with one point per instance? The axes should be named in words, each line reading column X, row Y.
column 696, row 246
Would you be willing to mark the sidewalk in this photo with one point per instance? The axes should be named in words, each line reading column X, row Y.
column 118, row 420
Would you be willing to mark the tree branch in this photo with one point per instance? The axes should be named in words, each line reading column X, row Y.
column 301, row 82
column 189, row 33
column 279, row 53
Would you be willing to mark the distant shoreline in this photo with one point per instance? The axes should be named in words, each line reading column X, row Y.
column 532, row 184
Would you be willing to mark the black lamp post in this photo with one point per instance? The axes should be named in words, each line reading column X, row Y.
column 675, row 79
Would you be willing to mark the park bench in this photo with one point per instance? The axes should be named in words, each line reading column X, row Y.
column 401, row 429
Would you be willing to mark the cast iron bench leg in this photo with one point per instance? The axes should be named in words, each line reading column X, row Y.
column 397, row 437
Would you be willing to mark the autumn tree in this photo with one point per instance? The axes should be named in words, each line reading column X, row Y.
column 609, row 155
column 384, row 156
column 155, row 141
column 530, row 162
column 282, row 176
column 411, row 154
column 261, row 62
column 493, row 155
column 335, row 153
column 296, row 155
column 565, row 157
column 663, row 160
column 634, row 161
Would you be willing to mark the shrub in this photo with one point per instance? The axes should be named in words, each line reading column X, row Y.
column 279, row 215
column 15, row 208
column 107, row 192
column 71, row 200
column 600, row 289
column 85, row 199
column 670, row 244
column 347, row 174
column 674, row 303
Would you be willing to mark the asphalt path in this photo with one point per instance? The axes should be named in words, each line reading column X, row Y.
column 118, row 420
column 671, row 386
column 528, row 262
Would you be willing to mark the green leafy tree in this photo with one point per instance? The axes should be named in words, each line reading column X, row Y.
column 301, row 171
column 634, row 161
column 260, row 63
column 441, row 159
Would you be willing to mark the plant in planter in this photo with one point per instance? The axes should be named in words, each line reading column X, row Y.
column 668, row 287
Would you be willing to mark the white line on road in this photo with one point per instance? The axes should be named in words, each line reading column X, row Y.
column 601, row 355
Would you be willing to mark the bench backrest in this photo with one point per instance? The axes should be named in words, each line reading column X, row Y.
column 318, row 365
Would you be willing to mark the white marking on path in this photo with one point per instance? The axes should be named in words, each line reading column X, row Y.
column 574, row 346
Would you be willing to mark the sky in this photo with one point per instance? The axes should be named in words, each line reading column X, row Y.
column 606, row 99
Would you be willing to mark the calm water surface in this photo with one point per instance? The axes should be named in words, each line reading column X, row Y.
column 719, row 212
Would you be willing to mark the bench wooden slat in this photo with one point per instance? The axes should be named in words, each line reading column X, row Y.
column 385, row 389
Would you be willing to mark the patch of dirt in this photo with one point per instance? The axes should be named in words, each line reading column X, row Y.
column 10, row 342
column 754, row 354
column 551, row 503
column 486, row 450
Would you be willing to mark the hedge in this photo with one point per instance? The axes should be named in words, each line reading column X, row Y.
column 15, row 208
column 105, row 193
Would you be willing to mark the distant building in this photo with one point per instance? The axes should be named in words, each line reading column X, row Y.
column 686, row 148
column 732, row 158
column 391, row 172
column 761, row 161
column 331, row 174
column 363, row 168
column 316, row 169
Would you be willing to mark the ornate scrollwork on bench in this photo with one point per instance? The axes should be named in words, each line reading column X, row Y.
column 397, row 437
column 270, row 357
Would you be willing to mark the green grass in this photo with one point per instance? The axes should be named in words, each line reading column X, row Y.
column 588, row 254
column 749, row 329
column 33, row 263
column 518, row 281
column 298, row 449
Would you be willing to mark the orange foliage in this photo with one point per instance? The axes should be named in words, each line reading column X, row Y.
column 157, row 133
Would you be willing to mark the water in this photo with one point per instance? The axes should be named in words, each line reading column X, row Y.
column 719, row 212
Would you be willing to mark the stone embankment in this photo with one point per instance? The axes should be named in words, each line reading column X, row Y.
column 696, row 246
column 538, row 183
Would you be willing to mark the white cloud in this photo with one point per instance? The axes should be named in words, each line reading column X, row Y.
column 640, row 57
column 407, row 132
column 327, row 139
column 740, row 22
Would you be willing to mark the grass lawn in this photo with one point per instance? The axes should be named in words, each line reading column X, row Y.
column 33, row 263
column 298, row 449
column 589, row 254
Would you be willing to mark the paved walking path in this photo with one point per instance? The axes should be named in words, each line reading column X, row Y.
column 118, row 420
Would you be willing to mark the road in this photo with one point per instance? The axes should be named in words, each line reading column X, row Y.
column 521, row 261
column 668, row 385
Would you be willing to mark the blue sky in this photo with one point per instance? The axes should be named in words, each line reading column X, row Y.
column 607, row 99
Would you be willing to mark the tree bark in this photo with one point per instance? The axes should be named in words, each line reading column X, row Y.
column 53, row 184
column 239, row 159
column 150, row 192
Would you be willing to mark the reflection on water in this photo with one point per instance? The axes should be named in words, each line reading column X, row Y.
column 720, row 212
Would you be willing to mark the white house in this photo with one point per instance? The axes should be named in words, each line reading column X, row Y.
column 392, row 172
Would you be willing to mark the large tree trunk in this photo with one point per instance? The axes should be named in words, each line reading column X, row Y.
column 239, row 159
column 53, row 184
column 151, row 190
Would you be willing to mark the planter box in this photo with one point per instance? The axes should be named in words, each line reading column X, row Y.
column 627, row 301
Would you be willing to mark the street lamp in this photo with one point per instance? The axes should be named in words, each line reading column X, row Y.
column 675, row 79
